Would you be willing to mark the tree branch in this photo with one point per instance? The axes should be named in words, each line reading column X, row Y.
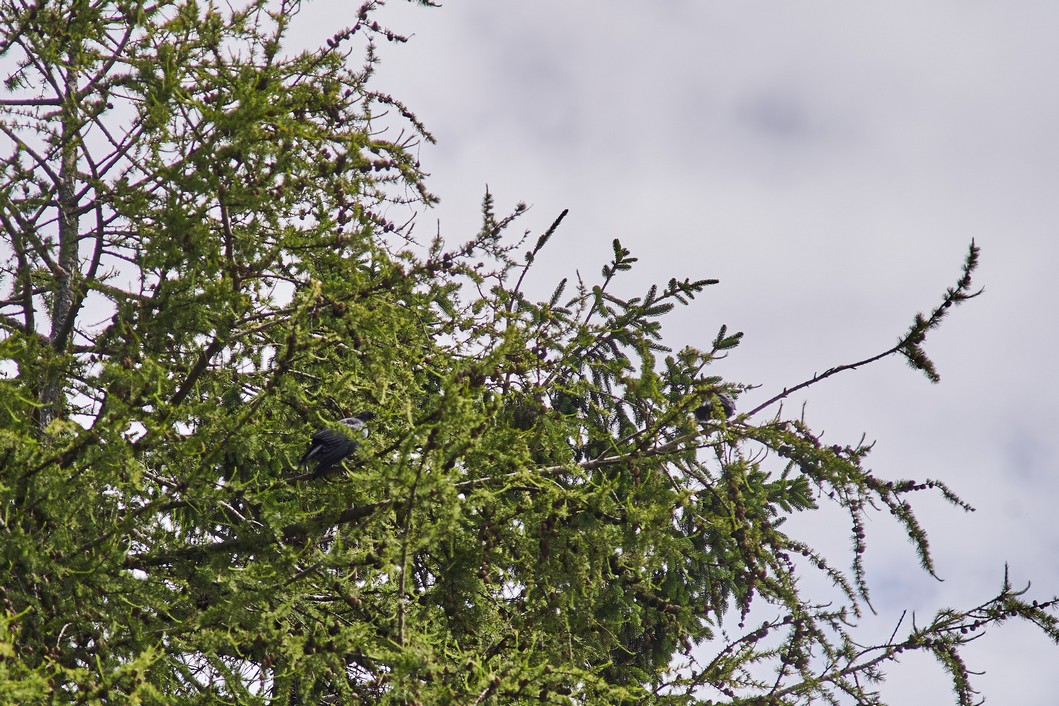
column 910, row 344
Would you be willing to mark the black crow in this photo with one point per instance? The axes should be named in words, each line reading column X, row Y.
column 706, row 412
column 328, row 447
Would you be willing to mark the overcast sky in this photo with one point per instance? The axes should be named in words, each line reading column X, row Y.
column 830, row 163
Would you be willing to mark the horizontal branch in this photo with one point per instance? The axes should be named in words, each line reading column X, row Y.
column 299, row 530
column 23, row 102
column 787, row 391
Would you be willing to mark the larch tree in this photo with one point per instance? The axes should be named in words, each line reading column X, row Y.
column 208, row 254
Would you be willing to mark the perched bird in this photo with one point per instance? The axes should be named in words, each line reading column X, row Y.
column 328, row 447
column 706, row 412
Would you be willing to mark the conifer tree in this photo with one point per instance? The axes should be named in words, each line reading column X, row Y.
column 209, row 254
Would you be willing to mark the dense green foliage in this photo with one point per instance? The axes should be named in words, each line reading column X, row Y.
column 202, row 266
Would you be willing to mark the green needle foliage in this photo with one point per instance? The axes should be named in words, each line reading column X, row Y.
column 202, row 266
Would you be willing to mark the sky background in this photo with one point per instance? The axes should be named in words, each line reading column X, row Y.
column 829, row 163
